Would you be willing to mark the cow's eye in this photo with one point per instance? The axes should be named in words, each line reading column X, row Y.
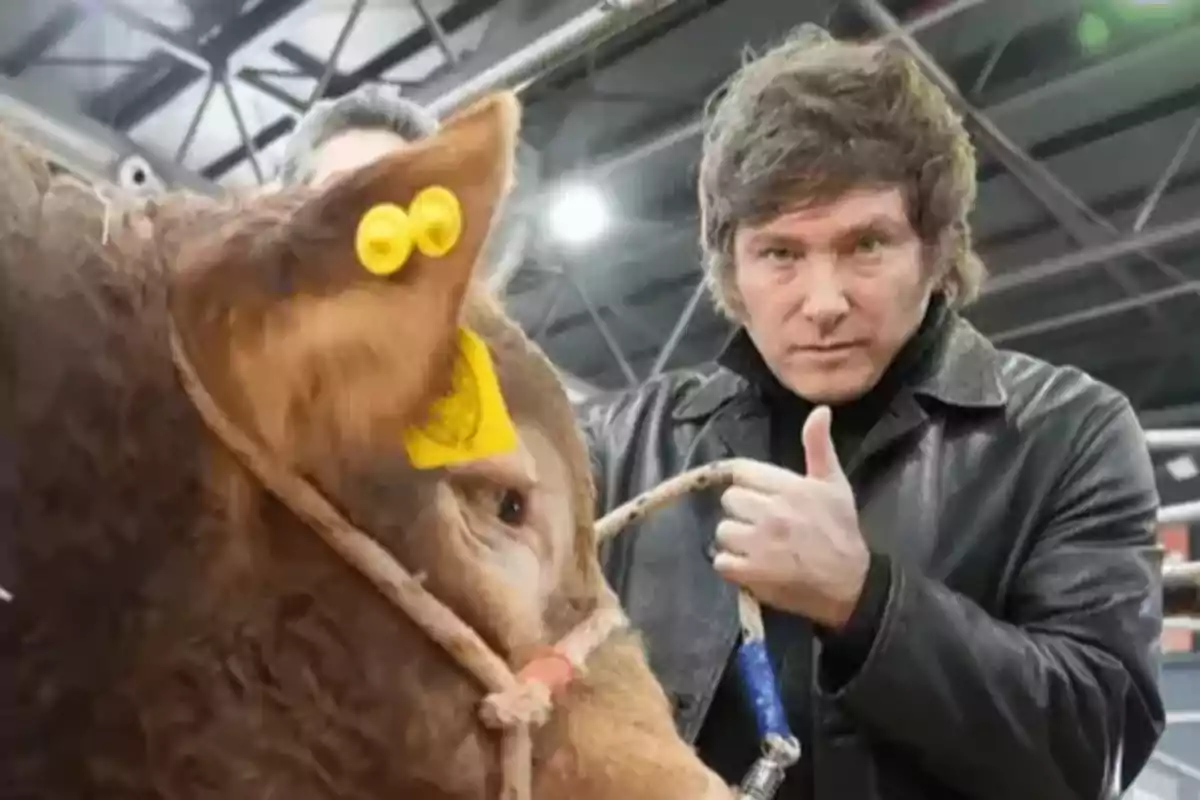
column 513, row 508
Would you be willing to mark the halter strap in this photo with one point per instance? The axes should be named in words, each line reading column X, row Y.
column 515, row 702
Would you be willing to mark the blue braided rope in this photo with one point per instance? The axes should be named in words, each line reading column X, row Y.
column 780, row 748
column 757, row 674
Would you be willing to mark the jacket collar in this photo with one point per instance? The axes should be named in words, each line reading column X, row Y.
column 965, row 374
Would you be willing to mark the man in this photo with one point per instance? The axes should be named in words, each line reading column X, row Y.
column 352, row 130
column 957, row 563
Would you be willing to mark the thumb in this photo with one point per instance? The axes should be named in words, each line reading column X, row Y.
column 820, row 457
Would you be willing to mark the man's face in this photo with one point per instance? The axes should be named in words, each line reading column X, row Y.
column 832, row 292
column 352, row 149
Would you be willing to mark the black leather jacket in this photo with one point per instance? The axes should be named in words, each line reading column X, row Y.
column 1018, row 654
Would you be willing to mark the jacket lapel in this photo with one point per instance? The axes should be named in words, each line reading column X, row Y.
column 964, row 375
column 730, row 422
column 743, row 429
column 731, row 416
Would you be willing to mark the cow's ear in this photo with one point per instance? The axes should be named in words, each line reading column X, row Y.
column 355, row 287
column 421, row 216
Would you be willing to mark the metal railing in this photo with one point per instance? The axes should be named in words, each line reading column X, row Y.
column 1161, row 440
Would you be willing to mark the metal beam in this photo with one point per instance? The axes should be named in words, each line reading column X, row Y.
column 536, row 332
column 254, row 78
column 1098, row 312
column 215, row 69
column 517, row 20
column 1173, row 438
column 562, row 44
column 165, row 76
column 276, row 130
column 457, row 16
column 932, row 18
column 676, row 336
column 435, row 29
column 450, row 91
column 691, row 129
column 87, row 62
column 240, row 122
column 610, row 341
column 1092, row 256
column 1080, row 221
column 331, row 62
column 306, row 64
column 81, row 143
column 1146, row 60
column 194, row 125
column 1172, row 416
column 57, row 27
column 164, row 38
column 1172, row 169
column 1182, row 512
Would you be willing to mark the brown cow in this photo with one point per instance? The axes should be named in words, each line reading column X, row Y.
column 175, row 631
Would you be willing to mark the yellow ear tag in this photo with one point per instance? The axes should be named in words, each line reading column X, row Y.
column 469, row 423
column 384, row 239
column 437, row 220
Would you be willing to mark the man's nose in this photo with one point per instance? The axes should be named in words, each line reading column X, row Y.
column 825, row 298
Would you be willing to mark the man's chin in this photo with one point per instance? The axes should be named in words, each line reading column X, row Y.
column 832, row 398
column 832, row 390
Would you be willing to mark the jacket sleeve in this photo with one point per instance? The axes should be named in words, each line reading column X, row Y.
column 1060, row 700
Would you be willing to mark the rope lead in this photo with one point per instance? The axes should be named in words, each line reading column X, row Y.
column 780, row 748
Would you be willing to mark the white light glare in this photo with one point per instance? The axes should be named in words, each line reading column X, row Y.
column 578, row 215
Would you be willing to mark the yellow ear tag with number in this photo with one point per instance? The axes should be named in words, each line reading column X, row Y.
column 472, row 421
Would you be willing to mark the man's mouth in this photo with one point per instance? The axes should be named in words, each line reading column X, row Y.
column 831, row 348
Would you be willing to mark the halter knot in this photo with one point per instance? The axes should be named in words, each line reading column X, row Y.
column 531, row 701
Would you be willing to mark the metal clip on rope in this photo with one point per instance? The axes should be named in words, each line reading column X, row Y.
column 780, row 748
column 767, row 773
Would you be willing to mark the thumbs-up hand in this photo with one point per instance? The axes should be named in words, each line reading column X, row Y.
column 791, row 540
column 819, row 454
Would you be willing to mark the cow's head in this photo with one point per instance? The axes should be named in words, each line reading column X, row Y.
column 329, row 364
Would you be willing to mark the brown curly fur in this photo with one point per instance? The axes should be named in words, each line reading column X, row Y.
column 175, row 632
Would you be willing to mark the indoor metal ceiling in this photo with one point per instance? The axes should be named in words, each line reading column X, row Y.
column 1088, row 177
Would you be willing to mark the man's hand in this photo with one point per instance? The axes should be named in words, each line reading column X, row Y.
column 793, row 541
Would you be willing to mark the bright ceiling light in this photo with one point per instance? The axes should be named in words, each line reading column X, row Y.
column 578, row 214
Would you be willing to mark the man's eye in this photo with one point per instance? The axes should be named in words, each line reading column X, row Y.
column 785, row 254
column 868, row 243
column 513, row 508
